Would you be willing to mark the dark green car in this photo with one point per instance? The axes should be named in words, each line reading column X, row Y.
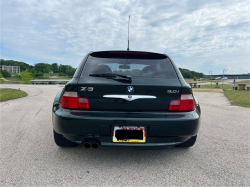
column 126, row 98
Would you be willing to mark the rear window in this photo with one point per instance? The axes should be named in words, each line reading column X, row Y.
column 150, row 68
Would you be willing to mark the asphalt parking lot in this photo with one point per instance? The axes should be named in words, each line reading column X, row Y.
column 29, row 156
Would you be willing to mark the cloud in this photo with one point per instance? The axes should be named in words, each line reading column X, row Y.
column 198, row 35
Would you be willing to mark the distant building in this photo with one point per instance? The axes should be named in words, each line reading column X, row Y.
column 10, row 69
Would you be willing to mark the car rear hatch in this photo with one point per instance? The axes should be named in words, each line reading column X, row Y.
column 149, row 89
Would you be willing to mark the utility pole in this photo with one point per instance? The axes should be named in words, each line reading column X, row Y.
column 211, row 77
column 43, row 73
column 234, row 82
column 223, row 77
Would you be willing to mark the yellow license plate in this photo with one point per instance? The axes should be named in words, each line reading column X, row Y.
column 129, row 134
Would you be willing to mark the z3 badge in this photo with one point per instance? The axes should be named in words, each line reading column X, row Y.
column 90, row 89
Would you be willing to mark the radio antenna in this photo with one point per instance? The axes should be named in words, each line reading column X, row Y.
column 128, row 31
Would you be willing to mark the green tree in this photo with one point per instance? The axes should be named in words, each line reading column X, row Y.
column 17, row 76
column 195, row 78
column 43, row 67
column 39, row 75
column 62, row 69
column 5, row 73
column 71, row 72
column 54, row 67
column 33, row 71
column 26, row 76
column 23, row 66
column 190, row 74
column 1, row 78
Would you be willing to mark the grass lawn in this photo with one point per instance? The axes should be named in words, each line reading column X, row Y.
column 236, row 97
column 60, row 77
column 17, row 80
column 2, row 80
column 244, row 82
column 209, row 81
column 51, row 74
column 13, row 80
column 208, row 86
column 8, row 94
column 54, row 76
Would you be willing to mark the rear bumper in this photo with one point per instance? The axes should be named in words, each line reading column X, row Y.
column 162, row 129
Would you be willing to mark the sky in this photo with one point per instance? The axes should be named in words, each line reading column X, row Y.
column 198, row 35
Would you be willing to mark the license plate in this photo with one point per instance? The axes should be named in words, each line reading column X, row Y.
column 129, row 134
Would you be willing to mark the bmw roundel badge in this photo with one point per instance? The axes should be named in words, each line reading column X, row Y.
column 130, row 89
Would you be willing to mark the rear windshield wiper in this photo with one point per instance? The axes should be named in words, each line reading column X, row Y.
column 110, row 75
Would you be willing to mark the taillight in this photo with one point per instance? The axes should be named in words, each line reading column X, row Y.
column 185, row 103
column 70, row 99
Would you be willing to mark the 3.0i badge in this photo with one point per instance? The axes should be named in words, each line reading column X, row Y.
column 130, row 89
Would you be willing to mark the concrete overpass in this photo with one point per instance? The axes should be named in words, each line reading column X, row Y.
column 232, row 76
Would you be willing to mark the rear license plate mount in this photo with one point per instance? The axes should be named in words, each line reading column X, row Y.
column 129, row 134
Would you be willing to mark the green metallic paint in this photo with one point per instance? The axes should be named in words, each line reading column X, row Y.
column 163, row 128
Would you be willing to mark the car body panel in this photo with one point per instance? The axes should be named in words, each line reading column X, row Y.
column 163, row 128
column 78, row 125
column 160, row 89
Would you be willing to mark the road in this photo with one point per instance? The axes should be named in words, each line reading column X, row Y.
column 29, row 156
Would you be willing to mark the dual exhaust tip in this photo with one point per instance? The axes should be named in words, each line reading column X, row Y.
column 91, row 143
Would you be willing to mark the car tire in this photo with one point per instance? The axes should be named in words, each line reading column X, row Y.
column 61, row 141
column 189, row 143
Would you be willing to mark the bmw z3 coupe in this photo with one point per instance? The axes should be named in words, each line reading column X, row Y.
column 126, row 98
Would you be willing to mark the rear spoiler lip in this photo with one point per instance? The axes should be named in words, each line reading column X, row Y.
column 127, row 51
column 128, row 54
